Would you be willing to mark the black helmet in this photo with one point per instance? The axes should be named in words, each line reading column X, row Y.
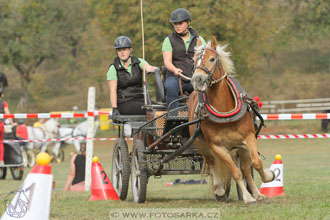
column 123, row 42
column 179, row 15
column 20, row 121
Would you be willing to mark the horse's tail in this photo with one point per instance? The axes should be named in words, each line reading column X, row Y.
column 223, row 173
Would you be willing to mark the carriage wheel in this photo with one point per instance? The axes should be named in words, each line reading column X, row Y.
column 25, row 157
column 3, row 172
column 17, row 172
column 239, row 191
column 31, row 158
column 60, row 156
column 139, row 172
column 120, row 168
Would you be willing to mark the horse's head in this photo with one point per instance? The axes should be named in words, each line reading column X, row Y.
column 52, row 127
column 212, row 64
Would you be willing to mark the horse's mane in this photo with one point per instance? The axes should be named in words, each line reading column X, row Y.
column 227, row 63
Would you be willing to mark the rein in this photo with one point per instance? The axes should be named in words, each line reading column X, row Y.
column 210, row 80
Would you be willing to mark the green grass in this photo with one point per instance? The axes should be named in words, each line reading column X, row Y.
column 306, row 187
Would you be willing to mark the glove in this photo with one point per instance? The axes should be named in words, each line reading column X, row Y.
column 115, row 113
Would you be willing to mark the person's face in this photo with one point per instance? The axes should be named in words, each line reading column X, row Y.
column 123, row 53
column 181, row 27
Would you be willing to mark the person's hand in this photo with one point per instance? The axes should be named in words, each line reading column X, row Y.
column 115, row 113
column 177, row 71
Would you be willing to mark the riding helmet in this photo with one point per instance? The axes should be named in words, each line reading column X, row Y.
column 122, row 42
column 179, row 15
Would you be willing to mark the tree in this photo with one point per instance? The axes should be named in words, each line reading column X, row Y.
column 35, row 31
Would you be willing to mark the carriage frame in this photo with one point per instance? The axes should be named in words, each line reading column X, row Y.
column 162, row 145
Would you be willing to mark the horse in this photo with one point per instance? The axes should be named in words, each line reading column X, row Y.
column 48, row 130
column 227, row 126
column 80, row 131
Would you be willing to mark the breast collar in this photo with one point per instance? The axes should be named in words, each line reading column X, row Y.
column 231, row 116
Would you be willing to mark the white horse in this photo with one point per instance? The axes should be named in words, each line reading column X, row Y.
column 49, row 129
column 80, row 131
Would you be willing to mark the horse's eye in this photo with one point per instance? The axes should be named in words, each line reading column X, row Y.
column 212, row 59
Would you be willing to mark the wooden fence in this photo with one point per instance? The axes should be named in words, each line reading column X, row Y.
column 292, row 106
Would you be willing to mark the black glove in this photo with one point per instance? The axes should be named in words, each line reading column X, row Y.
column 115, row 113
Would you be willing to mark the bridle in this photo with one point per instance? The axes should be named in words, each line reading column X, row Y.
column 200, row 65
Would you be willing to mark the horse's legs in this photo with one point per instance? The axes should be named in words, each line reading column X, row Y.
column 77, row 145
column 56, row 147
column 244, row 157
column 236, row 173
column 44, row 147
column 266, row 174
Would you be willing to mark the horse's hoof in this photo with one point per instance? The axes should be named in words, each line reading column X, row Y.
column 260, row 197
column 250, row 202
column 222, row 198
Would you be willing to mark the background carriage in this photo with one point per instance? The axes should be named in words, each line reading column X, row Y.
column 13, row 156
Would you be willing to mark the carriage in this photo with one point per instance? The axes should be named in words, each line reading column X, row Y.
column 162, row 145
column 13, row 156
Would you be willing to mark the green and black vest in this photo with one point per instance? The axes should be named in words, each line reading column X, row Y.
column 180, row 58
column 129, row 86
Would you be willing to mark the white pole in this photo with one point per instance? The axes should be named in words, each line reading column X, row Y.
column 90, row 133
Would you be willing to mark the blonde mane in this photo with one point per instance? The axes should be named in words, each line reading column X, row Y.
column 227, row 63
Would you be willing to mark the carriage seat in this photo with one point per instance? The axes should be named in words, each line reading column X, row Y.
column 160, row 84
column 129, row 118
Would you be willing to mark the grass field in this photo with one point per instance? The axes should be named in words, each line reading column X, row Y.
column 306, row 186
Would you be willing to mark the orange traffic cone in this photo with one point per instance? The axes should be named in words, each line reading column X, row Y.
column 32, row 201
column 274, row 188
column 102, row 188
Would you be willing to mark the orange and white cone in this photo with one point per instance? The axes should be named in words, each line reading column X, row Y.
column 102, row 188
column 274, row 188
column 32, row 201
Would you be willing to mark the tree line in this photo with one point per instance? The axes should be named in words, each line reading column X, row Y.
column 56, row 49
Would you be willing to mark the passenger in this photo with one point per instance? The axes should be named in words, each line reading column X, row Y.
column 4, row 109
column 76, row 177
column 125, row 80
column 21, row 131
column 39, row 123
column 178, row 53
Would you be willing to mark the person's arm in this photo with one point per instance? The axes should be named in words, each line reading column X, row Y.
column 149, row 68
column 6, row 109
column 113, row 84
column 113, row 92
column 71, row 174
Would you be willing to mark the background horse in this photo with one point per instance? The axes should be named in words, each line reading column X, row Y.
column 220, row 137
column 80, row 131
column 48, row 130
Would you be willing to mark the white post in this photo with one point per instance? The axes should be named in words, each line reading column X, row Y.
column 90, row 133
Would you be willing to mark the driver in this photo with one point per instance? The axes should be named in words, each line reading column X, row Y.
column 178, row 53
column 4, row 109
column 125, row 80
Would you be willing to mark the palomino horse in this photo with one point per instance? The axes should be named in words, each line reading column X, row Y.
column 49, row 130
column 227, row 127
